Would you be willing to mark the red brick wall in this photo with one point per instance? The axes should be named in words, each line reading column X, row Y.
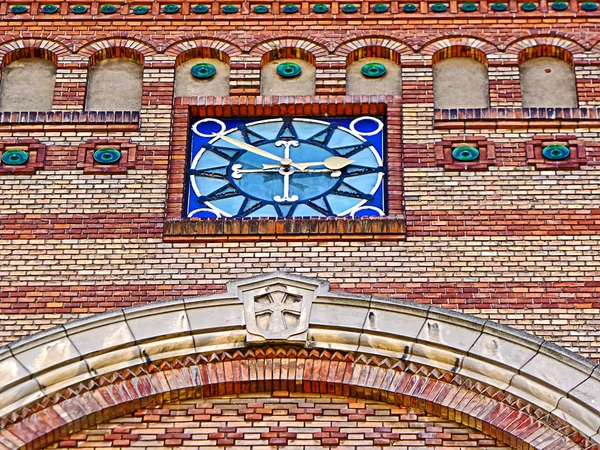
column 293, row 421
column 511, row 241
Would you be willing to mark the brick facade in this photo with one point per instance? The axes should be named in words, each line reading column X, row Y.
column 511, row 237
column 513, row 241
column 283, row 420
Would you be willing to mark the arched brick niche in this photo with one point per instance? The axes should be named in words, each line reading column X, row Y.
column 115, row 80
column 281, row 419
column 460, row 78
column 282, row 332
column 189, row 83
column 28, row 80
column 357, row 83
column 272, row 83
column 547, row 77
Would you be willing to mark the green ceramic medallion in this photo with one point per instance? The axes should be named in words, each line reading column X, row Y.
column 107, row 155
column 289, row 70
column 556, row 152
column 465, row 153
column 15, row 157
column 373, row 70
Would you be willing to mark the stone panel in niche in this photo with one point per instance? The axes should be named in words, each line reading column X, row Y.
column 548, row 83
column 28, row 85
column 189, row 85
column 115, row 84
column 388, row 83
column 272, row 83
column 460, row 82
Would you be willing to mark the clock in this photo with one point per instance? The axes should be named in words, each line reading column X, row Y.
column 286, row 167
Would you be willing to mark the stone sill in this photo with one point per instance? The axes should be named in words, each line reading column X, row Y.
column 521, row 114
column 379, row 228
column 88, row 119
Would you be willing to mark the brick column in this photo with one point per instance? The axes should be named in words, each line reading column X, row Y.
column 71, row 83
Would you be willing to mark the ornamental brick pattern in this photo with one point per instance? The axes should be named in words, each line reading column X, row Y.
column 280, row 421
column 512, row 242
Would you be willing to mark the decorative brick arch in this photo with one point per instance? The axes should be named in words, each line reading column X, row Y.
column 377, row 46
column 520, row 45
column 28, row 48
column 273, row 45
column 106, row 45
column 460, row 52
column 515, row 387
column 203, row 47
column 479, row 45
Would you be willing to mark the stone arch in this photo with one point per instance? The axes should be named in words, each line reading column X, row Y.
column 28, row 77
column 115, row 79
column 359, row 84
column 460, row 78
column 186, row 85
column 547, row 77
column 524, row 391
column 271, row 83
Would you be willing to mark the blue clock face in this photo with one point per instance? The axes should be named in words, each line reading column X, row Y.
column 286, row 167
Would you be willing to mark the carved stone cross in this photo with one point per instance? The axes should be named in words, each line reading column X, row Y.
column 277, row 311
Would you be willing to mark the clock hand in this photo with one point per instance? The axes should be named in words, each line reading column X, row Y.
column 333, row 163
column 255, row 150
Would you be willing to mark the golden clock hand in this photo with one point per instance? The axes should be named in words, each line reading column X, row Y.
column 333, row 163
column 255, row 150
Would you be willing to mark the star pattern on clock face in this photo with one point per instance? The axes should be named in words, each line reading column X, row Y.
column 286, row 167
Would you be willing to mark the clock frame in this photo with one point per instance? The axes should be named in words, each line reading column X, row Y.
column 257, row 167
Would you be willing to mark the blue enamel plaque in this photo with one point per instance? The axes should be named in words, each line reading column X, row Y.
column 286, row 167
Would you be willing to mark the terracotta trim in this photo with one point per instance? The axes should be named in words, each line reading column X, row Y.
column 272, row 229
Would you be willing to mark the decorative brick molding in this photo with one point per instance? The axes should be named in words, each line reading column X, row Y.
column 443, row 152
column 517, row 388
column 86, row 161
column 35, row 150
column 276, row 229
column 576, row 146
column 474, row 115
column 71, row 119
